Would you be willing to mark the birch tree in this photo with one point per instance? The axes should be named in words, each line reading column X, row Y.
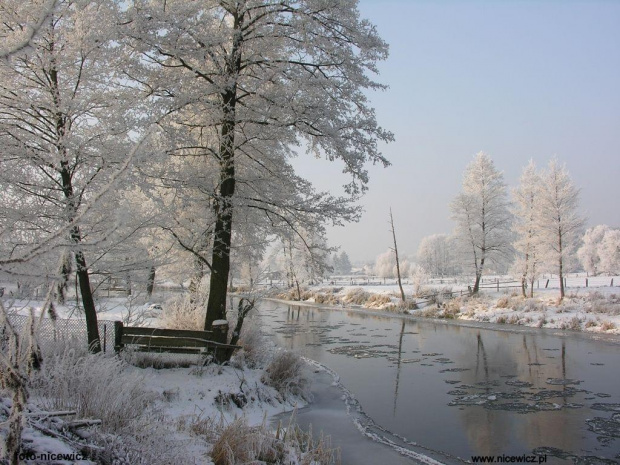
column 526, row 206
column 482, row 216
column 253, row 79
column 559, row 221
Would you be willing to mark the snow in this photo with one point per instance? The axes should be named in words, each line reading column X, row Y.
column 594, row 309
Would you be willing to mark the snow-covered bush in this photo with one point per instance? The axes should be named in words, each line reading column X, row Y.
column 95, row 386
column 287, row 374
column 183, row 313
column 255, row 347
column 419, row 278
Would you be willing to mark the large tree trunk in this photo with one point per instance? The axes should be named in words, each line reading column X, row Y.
column 88, row 302
column 90, row 312
column 223, row 205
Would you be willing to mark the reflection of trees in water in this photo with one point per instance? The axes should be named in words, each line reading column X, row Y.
column 490, row 355
column 398, row 361
column 499, row 355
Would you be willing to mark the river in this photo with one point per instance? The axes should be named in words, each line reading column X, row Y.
column 463, row 391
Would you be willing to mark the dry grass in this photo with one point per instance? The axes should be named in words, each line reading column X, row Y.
column 574, row 324
column 356, row 296
column 89, row 384
column 287, row 374
column 608, row 325
column 238, row 443
column 181, row 313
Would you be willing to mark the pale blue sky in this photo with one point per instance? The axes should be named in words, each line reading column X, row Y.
column 516, row 79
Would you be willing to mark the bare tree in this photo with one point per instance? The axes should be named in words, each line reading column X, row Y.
column 395, row 250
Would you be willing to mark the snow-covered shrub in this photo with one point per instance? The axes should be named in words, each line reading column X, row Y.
column 574, row 323
column 287, row 374
column 146, row 440
column 419, row 277
column 255, row 347
column 94, row 385
column 530, row 305
column 183, row 313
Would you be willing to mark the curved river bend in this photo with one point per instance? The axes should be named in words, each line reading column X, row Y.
column 467, row 391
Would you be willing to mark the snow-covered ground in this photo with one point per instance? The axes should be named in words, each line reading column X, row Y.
column 186, row 400
column 595, row 308
column 189, row 404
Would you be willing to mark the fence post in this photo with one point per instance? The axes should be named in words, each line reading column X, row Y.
column 612, row 282
column 546, row 284
column 497, row 284
column 105, row 334
column 586, row 282
column 565, row 283
column 118, row 334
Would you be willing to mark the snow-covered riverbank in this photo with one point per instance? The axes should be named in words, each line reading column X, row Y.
column 590, row 310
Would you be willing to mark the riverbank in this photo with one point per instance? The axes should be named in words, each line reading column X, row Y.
column 463, row 387
column 586, row 310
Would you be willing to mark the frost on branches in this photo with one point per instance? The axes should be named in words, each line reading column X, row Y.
column 526, row 211
column 249, row 80
column 482, row 217
column 600, row 252
column 559, row 222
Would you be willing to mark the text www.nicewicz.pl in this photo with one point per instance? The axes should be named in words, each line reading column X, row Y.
column 509, row 458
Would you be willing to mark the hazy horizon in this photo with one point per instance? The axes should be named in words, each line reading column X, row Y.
column 517, row 80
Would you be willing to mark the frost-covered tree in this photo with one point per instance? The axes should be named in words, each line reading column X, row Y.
column 251, row 79
column 482, row 216
column 345, row 263
column 385, row 265
column 599, row 252
column 526, row 207
column 64, row 133
column 609, row 252
column 437, row 256
column 22, row 21
column 559, row 223
column 342, row 263
column 588, row 253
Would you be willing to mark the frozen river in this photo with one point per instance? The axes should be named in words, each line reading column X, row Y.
column 467, row 391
